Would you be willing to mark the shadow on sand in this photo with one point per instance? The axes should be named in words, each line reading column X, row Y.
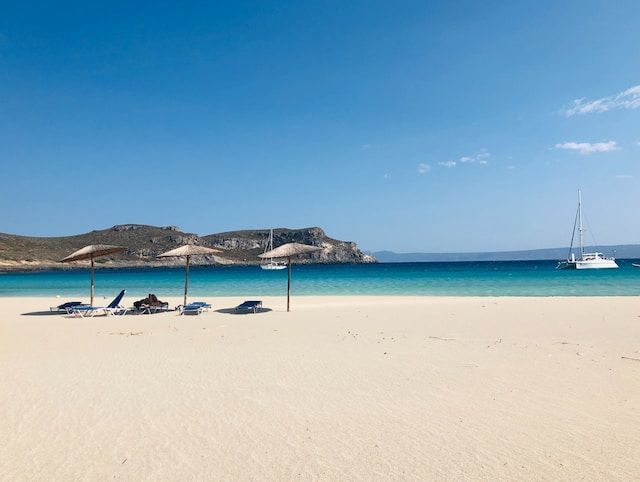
column 44, row 313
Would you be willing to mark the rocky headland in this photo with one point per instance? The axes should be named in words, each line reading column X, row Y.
column 144, row 243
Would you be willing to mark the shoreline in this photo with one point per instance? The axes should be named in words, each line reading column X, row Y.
column 57, row 267
column 328, row 296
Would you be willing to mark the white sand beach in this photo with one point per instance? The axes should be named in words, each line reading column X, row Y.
column 341, row 388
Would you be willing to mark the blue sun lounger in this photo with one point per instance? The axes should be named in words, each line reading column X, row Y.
column 249, row 306
column 111, row 309
column 194, row 308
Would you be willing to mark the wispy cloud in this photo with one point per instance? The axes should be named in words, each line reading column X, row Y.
column 386, row 175
column 628, row 99
column 624, row 176
column 424, row 168
column 589, row 147
column 511, row 168
column 448, row 164
column 481, row 158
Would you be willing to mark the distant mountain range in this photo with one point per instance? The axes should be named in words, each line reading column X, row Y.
column 623, row 251
column 144, row 243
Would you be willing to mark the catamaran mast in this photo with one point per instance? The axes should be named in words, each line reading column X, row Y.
column 580, row 228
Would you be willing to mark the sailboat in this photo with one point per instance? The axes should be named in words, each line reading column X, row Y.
column 586, row 260
column 271, row 264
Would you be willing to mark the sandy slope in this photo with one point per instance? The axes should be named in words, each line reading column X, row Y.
column 341, row 388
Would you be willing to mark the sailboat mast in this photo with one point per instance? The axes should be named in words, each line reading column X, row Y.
column 271, row 243
column 580, row 228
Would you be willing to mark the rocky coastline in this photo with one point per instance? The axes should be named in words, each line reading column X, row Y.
column 144, row 243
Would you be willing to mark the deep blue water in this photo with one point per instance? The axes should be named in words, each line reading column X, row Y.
column 504, row 278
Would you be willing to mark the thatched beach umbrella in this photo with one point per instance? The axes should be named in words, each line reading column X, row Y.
column 288, row 251
column 90, row 252
column 187, row 251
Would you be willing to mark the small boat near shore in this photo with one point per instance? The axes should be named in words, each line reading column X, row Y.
column 586, row 260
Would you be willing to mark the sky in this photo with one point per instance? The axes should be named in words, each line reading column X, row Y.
column 407, row 126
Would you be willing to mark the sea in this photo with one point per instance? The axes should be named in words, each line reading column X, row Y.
column 502, row 278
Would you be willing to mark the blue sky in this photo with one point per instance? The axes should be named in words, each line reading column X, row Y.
column 410, row 126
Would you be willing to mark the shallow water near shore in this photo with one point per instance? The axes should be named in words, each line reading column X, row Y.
column 504, row 278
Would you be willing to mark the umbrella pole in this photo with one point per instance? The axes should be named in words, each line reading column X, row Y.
column 288, row 282
column 92, row 280
column 186, row 280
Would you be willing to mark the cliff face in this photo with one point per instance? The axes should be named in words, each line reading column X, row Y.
column 144, row 243
column 245, row 246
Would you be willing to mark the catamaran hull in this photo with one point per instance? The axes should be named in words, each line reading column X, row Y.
column 599, row 264
column 595, row 264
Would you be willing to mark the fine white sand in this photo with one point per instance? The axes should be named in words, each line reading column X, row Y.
column 366, row 388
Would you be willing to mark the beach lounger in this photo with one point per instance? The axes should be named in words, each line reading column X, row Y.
column 150, row 304
column 150, row 309
column 249, row 306
column 191, row 309
column 194, row 308
column 66, row 307
column 111, row 309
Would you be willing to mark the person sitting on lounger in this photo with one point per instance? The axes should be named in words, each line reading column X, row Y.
column 150, row 301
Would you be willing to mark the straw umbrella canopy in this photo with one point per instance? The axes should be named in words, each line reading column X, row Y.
column 288, row 251
column 90, row 252
column 187, row 251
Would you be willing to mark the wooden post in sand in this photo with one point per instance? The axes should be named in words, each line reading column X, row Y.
column 288, row 281
column 92, row 281
column 186, row 281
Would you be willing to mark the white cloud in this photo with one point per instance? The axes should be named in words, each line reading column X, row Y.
column 589, row 147
column 628, row 99
column 423, row 168
column 481, row 158
column 511, row 168
column 624, row 176
column 448, row 164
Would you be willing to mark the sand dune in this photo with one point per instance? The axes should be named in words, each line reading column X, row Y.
column 353, row 388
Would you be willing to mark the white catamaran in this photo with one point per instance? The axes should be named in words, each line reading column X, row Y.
column 586, row 260
column 271, row 264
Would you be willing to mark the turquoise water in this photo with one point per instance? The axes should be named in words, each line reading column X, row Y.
column 505, row 278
